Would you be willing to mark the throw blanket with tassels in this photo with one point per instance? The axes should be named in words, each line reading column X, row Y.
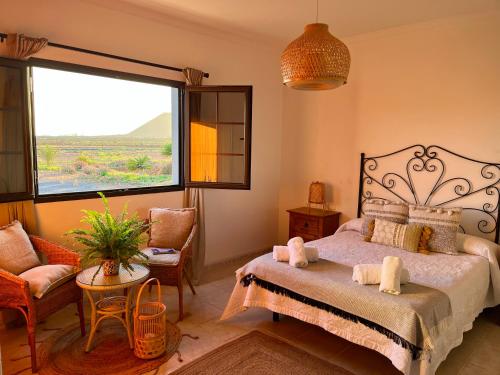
column 409, row 319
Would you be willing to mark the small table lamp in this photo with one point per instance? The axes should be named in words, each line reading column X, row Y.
column 317, row 194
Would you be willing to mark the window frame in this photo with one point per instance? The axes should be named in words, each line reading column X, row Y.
column 27, row 146
column 246, row 185
column 84, row 69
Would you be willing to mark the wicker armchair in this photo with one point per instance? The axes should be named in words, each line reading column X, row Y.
column 15, row 292
column 172, row 272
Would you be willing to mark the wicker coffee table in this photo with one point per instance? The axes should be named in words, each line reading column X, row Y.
column 110, row 307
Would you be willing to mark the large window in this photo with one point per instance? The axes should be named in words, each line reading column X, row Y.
column 68, row 131
column 96, row 132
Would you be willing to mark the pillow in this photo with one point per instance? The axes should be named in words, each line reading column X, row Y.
column 170, row 227
column 370, row 228
column 43, row 279
column 423, row 244
column 16, row 251
column 444, row 223
column 404, row 236
column 385, row 210
column 474, row 245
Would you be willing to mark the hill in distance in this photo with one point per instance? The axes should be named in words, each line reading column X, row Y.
column 158, row 127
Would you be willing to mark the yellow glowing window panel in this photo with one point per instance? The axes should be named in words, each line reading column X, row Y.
column 203, row 152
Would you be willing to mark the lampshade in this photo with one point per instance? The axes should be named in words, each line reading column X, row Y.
column 316, row 60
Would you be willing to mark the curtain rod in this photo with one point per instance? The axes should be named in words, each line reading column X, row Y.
column 108, row 55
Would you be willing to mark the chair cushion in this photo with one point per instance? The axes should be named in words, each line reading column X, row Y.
column 16, row 251
column 43, row 279
column 162, row 259
column 170, row 227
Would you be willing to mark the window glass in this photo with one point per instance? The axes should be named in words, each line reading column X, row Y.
column 96, row 133
column 219, row 137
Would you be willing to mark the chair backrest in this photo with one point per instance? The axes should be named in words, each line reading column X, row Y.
column 170, row 226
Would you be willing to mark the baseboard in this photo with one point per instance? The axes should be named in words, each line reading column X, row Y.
column 227, row 267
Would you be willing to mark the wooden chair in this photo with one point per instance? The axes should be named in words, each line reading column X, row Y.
column 169, row 269
column 15, row 292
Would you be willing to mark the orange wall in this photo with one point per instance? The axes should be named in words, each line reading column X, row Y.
column 431, row 83
column 238, row 222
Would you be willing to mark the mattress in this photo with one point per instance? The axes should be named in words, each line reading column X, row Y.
column 464, row 278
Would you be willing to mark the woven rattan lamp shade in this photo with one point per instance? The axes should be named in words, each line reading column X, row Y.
column 316, row 60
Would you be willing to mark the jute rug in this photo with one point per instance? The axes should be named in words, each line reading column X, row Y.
column 259, row 354
column 64, row 352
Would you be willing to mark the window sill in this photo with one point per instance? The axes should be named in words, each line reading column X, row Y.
column 108, row 193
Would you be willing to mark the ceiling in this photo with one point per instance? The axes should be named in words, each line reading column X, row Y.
column 279, row 21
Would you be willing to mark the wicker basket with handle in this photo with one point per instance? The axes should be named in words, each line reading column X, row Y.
column 150, row 325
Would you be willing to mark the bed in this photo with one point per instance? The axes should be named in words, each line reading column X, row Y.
column 465, row 283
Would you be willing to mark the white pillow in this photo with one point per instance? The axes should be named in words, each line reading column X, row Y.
column 469, row 244
column 43, row 279
column 486, row 249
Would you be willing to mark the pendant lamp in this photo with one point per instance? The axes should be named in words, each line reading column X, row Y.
column 316, row 60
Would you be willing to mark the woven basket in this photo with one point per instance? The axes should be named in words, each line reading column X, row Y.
column 150, row 325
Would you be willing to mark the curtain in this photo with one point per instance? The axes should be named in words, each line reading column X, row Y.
column 22, row 211
column 194, row 197
column 12, row 134
column 22, row 47
column 193, row 76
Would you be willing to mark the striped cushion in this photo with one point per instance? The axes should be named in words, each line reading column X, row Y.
column 385, row 210
column 404, row 236
column 444, row 223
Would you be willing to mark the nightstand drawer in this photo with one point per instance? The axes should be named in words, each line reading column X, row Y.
column 306, row 224
column 312, row 223
column 305, row 236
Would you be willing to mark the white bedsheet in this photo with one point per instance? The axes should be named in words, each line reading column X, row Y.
column 464, row 278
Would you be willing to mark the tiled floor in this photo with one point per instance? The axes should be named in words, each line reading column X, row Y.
column 479, row 353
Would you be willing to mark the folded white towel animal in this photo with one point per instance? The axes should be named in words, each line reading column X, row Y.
column 368, row 274
column 281, row 254
column 297, row 252
column 391, row 275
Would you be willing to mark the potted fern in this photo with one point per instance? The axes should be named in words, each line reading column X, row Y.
column 111, row 240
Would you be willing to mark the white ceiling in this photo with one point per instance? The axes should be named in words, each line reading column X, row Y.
column 280, row 21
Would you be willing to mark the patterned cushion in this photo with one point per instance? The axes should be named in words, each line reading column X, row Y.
column 170, row 227
column 16, row 251
column 404, row 236
column 385, row 210
column 370, row 228
column 444, row 223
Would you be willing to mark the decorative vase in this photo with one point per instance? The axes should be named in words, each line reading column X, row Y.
column 110, row 267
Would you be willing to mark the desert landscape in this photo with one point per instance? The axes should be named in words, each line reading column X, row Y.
column 140, row 158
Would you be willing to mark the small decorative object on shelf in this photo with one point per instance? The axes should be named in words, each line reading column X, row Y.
column 111, row 240
column 312, row 223
column 317, row 194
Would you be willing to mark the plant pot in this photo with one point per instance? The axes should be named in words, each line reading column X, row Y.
column 110, row 267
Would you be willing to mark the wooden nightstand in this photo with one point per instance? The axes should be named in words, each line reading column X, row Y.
column 312, row 223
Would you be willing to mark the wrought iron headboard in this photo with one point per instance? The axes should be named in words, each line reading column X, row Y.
column 432, row 176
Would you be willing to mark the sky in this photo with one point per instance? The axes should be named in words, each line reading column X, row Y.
column 67, row 103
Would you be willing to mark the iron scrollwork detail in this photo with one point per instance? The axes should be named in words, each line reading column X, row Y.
column 445, row 187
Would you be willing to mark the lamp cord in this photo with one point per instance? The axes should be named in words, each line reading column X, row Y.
column 317, row 10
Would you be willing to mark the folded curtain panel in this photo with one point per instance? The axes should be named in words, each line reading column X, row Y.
column 22, row 211
column 410, row 319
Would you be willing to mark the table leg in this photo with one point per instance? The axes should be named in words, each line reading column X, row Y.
column 93, row 316
column 127, row 317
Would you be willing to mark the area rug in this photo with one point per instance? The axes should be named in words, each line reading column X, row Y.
column 64, row 352
column 257, row 353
